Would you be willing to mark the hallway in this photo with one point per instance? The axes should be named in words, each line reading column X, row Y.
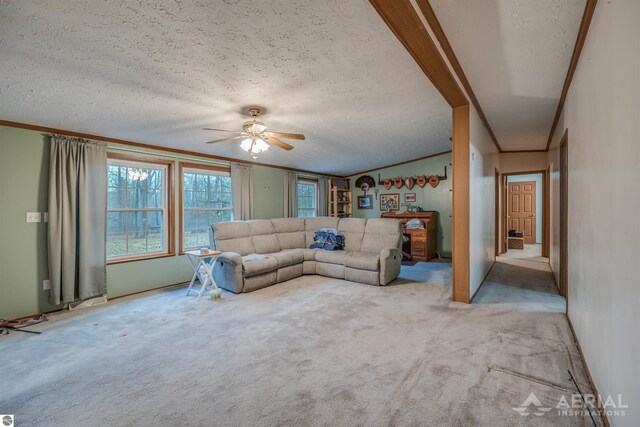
column 526, row 284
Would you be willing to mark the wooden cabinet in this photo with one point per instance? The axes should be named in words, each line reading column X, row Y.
column 422, row 242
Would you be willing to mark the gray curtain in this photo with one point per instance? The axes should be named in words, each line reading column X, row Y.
column 77, row 219
column 323, row 190
column 290, row 194
column 242, row 189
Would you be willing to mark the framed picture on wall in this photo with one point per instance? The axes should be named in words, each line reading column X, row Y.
column 390, row 202
column 365, row 202
column 410, row 197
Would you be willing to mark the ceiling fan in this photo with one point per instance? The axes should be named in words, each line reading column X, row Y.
column 255, row 137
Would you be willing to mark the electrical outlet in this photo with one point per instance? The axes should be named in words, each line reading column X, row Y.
column 34, row 217
column 46, row 285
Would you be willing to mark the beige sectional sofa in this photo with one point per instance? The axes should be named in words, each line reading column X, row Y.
column 261, row 253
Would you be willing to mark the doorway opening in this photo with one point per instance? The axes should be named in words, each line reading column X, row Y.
column 524, row 215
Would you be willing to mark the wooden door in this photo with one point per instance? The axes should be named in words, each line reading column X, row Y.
column 522, row 209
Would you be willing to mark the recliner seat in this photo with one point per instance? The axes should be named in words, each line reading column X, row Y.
column 260, row 253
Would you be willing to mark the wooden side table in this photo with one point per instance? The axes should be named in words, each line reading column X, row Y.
column 203, row 264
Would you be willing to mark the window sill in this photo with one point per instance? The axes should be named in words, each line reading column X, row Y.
column 139, row 258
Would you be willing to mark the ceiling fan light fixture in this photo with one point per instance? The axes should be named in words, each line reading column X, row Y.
column 254, row 127
column 255, row 138
column 260, row 145
column 246, row 144
column 254, row 146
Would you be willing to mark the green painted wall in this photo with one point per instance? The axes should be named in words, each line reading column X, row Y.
column 23, row 188
column 268, row 192
column 430, row 199
column 24, row 157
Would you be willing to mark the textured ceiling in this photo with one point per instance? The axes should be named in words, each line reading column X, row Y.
column 515, row 54
column 158, row 71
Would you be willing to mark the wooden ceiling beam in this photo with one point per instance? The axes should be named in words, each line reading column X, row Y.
column 402, row 19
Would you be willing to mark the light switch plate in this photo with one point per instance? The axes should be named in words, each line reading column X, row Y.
column 34, row 217
column 45, row 217
column 46, row 284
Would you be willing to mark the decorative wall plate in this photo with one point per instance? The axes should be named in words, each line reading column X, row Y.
column 397, row 182
column 408, row 182
column 421, row 181
column 434, row 180
column 387, row 184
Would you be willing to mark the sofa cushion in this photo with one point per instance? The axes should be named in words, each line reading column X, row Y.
column 331, row 257
column 232, row 236
column 287, row 225
column 289, row 232
column 289, row 257
column 353, row 230
column 259, row 281
column 242, row 246
column 382, row 233
column 290, row 272
column 330, row 270
column 258, row 264
column 363, row 261
column 312, row 225
column 293, row 240
column 263, row 236
column 361, row 276
column 309, row 254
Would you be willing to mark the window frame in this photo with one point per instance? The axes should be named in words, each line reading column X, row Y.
column 313, row 181
column 169, row 208
column 181, row 170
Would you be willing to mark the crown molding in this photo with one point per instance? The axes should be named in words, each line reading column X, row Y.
column 589, row 9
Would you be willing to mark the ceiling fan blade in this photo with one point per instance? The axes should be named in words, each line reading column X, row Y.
column 224, row 139
column 287, row 135
column 281, row 144
column 222, row 130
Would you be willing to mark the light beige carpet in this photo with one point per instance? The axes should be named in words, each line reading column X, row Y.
column 312, row 351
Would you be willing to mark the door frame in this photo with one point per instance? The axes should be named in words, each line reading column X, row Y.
column 497, row 211
column 545, row 208
column 563, row 168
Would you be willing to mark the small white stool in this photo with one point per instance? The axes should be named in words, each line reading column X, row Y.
column 203, row 264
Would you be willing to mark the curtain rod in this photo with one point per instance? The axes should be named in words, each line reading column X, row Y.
column 171, row 156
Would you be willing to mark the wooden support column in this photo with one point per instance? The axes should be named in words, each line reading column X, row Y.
column 461, row 292
column 403, row 20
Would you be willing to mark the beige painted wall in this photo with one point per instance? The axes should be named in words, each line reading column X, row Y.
column 522, row 162
column 483, row 162
column 602, row 117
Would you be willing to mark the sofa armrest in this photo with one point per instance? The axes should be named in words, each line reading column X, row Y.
column 228, row 272
column 390, row 262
